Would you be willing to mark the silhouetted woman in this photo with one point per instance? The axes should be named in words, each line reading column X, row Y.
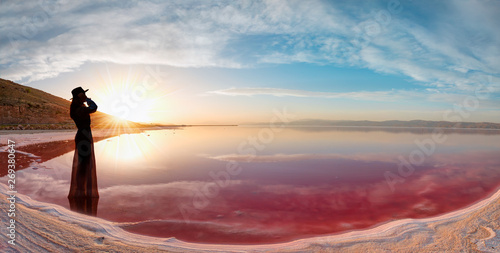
column 83, row 176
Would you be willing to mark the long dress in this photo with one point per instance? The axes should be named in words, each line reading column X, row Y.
column 83, row 175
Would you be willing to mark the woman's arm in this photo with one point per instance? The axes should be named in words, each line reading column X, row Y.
column 92, row 106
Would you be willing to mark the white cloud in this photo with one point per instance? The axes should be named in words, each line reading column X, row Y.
column 362, row 95
column 481, row 98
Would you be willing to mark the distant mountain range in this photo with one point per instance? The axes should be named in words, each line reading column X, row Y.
column 21, row 106
column 389, row 123
column 396, row 123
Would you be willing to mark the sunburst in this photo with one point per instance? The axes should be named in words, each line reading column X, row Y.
column 130, row 97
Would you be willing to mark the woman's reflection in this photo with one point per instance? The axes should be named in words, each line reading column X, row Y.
column 84, row 205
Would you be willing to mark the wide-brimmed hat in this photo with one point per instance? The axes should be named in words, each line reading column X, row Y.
column 77, row 91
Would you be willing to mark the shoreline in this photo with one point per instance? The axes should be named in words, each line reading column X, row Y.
column 476, row 227
column 37, row 136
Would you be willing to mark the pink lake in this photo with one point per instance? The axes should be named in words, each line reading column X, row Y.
column 231, row 185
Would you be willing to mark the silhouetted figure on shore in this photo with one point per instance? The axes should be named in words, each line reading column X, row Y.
column 83, row 175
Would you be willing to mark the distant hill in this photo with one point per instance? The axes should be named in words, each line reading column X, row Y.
column 23, row 105
column 398, row 123
column 391, row 123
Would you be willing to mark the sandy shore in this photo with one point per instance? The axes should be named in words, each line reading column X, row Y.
column 26, row 137
column 43, row 227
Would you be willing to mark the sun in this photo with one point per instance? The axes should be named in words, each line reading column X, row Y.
column 129, row 97
column 119, row 103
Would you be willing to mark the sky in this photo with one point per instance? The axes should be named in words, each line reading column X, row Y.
column 236, row 62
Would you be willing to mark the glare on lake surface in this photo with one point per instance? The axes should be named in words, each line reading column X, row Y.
column 239, row 185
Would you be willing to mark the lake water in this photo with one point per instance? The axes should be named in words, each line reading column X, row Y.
column 242, row 185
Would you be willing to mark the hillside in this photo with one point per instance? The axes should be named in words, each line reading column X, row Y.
column 25, row 107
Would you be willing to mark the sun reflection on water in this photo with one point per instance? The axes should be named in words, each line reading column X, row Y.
column 127, row 148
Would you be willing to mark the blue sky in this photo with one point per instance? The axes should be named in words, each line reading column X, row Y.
column 237, row 61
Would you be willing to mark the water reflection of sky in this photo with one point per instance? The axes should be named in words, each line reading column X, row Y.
column 302, row 183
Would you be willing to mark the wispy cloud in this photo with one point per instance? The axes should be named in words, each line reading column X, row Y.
column 175, row 33
column 429, row 94
column 362, row 95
